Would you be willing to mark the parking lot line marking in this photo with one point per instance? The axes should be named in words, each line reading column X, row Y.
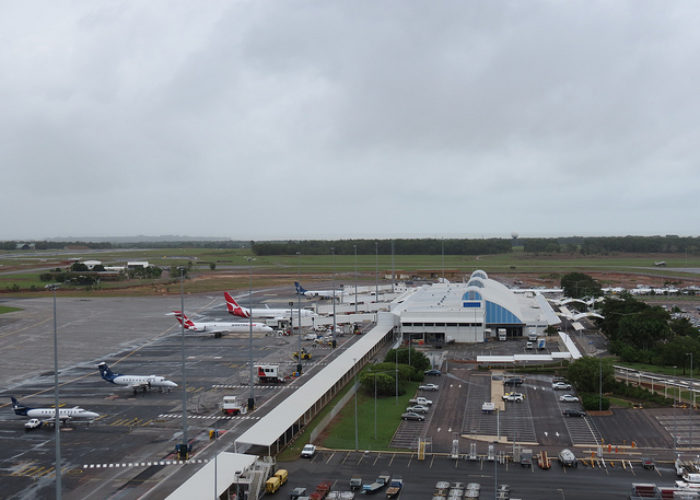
column 330, row 457
column 393, row 455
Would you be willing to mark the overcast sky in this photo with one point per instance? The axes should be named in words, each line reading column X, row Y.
column 296, row 119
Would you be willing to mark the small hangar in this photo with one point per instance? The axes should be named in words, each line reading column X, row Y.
column 471, row 312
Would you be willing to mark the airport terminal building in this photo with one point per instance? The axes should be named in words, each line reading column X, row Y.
column 474, row 311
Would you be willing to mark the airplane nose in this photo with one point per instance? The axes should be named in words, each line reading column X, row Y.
column 91, row 414
column 171, row 384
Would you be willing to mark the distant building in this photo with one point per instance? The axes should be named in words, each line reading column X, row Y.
column 137, row 263
column 26, row 246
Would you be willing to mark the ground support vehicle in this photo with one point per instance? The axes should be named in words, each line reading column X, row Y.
column 297, row 493
column 321, row 492
column 32, row 424
column 341, row 495
column 379, row 483
column 269, row 374
column 543, row 461
column 488, row 407
column 231, row 406
column 394, row 487
column 526, row 458
column 355, row 483
column 275, row 481
column 304, row 354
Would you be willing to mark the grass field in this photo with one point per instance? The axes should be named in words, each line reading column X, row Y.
column 235, row 267
column 5, row 309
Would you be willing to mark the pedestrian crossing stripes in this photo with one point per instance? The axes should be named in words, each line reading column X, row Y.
column 209, row 417
column 246, row 386
column 146, row 464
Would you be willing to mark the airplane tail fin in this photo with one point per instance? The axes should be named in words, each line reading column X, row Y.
column 300, row 289
column 183, row 319
column 234, row 308
column 18, row 407
column 105, row 371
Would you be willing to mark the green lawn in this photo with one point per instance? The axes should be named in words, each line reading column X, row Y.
column 5, row 309
column 342, row 433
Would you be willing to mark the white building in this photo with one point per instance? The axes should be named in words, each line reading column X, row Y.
column 472, row 312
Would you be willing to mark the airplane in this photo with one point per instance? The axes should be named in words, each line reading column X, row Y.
column 321, row 294
column 135, row 382
column 218, row 328
column 48, row 415
column 243, row 312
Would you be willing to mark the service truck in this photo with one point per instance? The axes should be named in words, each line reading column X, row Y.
column 269, row 374
column 541, row 344
column 231, row 406
column 501, row 334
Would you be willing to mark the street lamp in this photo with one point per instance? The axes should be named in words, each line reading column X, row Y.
column 357, row 440
column 376, row 271
column 333, row 265
column 57, row 421
column 299, row 312
column 251, row 399
column 692, row 397
column 184, row 451
column 355, row 248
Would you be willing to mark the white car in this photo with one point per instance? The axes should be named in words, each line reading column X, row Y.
column 310, row 336
column 32, row 423
column 309, row 451
column 561, row 386
column 418, row 409
column 513, row 397
column 429, row 387
column 568, row 398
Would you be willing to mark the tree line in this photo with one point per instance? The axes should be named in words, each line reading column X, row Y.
column 464, row 246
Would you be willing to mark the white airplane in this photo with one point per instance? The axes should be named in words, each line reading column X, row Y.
column 321, row 294
column 135, row 382
column 243, row 312
column 48, row 415
column 218, row 328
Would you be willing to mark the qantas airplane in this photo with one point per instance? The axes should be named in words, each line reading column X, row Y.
column 218, row 328
column 321, row 294
column 135, row 382
column 48, row 415
column 243, row 312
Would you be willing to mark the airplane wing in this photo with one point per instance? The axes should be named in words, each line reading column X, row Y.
column 140, row 385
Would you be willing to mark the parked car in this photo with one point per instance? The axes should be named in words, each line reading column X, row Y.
column 418, row 409
column 516, row 397
column 568, row 398
column 433, row 372
column 561, row 386
column 310, row 336
column 648, row 463
column 308, row 451
column 411, row 415
column 513, row 381
column 429, row 387
column 529, row 345
column 574, row 413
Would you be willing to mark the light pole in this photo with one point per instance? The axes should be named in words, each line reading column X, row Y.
column 57, row 421
column 355, row 248
column 376, row 271
column 675, row 435
column 251, row 399
column 299, row 312
column 357, row 440
column 692, row 397
column 600, row 384
column 184, row 451
column 333, row 265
